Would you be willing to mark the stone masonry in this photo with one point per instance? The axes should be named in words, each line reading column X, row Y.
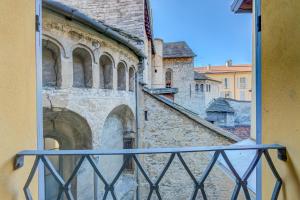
column 168, row 127
column 106, row 114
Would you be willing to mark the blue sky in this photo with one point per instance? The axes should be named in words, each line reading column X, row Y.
column 209, row 27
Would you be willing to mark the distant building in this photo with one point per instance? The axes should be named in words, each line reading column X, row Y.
column 205, row 90
column 172, row 67
column 232, row 115
column 236, row 79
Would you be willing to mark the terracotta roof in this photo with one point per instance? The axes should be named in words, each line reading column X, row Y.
column 224, row 69
column 177, row 50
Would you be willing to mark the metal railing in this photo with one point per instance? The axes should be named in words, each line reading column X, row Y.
column 41, row 156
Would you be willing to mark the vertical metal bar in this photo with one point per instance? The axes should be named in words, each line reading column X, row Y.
column 39, row 97
column 258, row 95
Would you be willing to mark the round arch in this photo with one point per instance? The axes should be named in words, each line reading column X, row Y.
column 118, row 131
column 51, row 64
column 122, row 75
column 87, row 48
column 106, row 65
column 82, row 68
column 57, row 42
column 70, row 131
column 131, row 73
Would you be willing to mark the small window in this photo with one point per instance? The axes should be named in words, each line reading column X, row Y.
column 201, row 88
column 208, row 88
column 197, row 87
column 226, row 83
column 243, row 83
column 169, row 78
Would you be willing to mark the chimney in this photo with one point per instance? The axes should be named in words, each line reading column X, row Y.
column 229, row 63
column 208, row 66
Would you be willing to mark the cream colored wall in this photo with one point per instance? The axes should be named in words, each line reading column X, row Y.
column 233, row 86
column 281, row 90
column 17, row 93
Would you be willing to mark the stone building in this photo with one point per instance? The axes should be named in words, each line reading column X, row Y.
column 173, row 68
column 132, row 18
column 89, row 93
column 231, row 114
column 94, row 98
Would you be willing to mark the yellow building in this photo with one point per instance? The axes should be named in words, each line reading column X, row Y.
column 236, row 80
column 18, row 107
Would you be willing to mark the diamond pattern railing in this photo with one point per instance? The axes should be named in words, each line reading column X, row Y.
column 218, row 152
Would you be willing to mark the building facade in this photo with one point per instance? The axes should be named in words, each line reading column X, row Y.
column 19, row 78
column 236, row 80
column 92, row 100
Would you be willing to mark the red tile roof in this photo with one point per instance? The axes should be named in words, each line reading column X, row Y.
column 224, row 69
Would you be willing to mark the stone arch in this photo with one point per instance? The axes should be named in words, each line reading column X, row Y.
column 87, row 48
column 106, row 64
column 121, row 75
column 71, row 131
column 51, row 64
column 118, row 126
column 131, row 78
column 169, row 78
column 82, row 68
column 57, row 42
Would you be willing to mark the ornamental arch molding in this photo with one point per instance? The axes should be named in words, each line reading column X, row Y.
column 56, row 41
column 51, row 64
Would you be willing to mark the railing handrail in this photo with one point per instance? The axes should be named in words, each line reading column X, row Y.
column 152, row 150
column 41, row 156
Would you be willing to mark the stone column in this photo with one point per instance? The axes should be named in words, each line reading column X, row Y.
column 66, row 72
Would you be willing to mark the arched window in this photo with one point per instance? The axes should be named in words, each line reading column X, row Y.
column 106, row 72
column 82, row 68
column 197, row 87
column 121, row 76
column 51, row 64
column 169, row 78
column 131, row 79
column 201, row 88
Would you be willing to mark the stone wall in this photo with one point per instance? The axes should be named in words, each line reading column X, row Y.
column 182, row 78
column 127, row 15
column 108, row 113
column 167, row 127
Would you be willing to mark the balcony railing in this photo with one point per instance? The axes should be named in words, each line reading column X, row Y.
column 241, row 184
